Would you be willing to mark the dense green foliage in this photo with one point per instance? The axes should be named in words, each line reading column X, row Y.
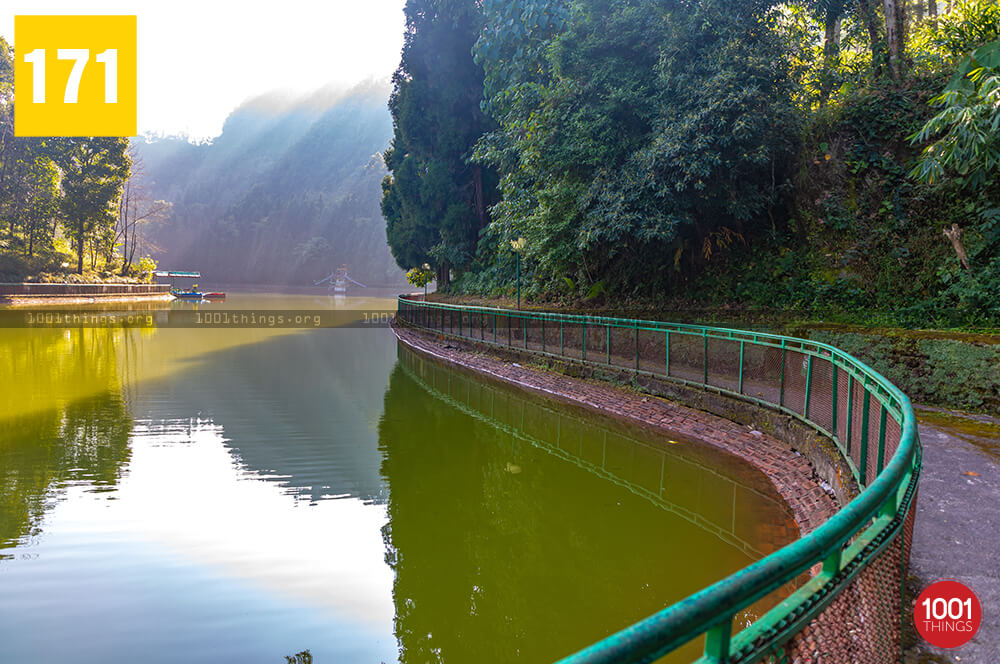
column 287, row 193
column 951, row 373
column 634, row 153
column 435, row 200
column 57, row 195
column 724, row 152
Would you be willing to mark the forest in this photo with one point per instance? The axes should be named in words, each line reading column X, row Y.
column 832, row 157
column 288, row 192
column 67, row 205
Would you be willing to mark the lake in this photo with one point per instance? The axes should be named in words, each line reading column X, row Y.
column 233, row 494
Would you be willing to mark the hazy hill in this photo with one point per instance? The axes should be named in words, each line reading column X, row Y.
column 287, row 192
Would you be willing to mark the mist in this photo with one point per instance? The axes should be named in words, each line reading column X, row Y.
column 287, row 192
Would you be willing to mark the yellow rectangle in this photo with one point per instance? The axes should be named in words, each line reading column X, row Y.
column 105, row 92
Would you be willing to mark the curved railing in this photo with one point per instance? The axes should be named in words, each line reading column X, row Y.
column 682, row 505
column 851, row 609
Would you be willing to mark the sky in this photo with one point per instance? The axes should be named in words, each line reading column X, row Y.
column 199, row 59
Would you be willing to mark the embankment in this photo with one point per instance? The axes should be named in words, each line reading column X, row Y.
column 34, row 294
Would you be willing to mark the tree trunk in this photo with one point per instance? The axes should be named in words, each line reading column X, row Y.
column 919, row 10
column 831, row 48
column 480, row 199
column 955, row 235
column 443, row 276
column 932, row 8
column 125, row 252
column 895, row 11
column 874, row 37
column 79, row 246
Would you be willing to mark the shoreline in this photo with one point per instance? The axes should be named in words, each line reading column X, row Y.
column 792, row 475
column 936, row 367
column 29, row 294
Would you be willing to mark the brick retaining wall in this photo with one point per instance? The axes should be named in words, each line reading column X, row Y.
column 59, row 293
column 793, row 476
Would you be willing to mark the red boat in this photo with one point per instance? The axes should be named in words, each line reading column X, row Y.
column 214, row 296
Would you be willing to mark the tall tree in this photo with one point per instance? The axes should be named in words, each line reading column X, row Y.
column 869, row 16
column 895, row 34
column 645, row 133
column 435, row 200
column 94, row 169
column 136, row 208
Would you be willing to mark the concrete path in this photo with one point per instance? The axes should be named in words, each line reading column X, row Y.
column 957, row 530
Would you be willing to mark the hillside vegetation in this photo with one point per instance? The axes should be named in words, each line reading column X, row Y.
column 832, row 157
column 63, row 203
column 288, row 192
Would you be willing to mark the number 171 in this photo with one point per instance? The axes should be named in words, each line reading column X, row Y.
column 80, row 56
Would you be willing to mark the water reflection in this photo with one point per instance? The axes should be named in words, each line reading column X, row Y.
column 81, row 435
column 164, row 495
column 300, row 410
column 244, row 494
column 522, row 531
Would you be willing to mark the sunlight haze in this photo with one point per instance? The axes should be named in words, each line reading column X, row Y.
column 198, row 60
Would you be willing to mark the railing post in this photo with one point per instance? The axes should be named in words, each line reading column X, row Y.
column 833, row 395
column 781, row 388
column 494, row 327
column 636, row 345
column 704, row 356
column 543, row 333
column 717, row 641
column 666, row 346
column 562, row 342
column 584, row 356
column 863, row 466
column 809, row 380
column 607, row 341
column 740, row 389
column 831, row 564
column 850, row 411
column 881, row 441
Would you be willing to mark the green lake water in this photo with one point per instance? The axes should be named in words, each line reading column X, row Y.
column 238, row 495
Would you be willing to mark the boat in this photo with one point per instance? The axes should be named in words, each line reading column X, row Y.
column 192, row 294
column 218, row 295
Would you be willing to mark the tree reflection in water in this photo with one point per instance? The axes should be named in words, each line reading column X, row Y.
column 520, row 530
column 75, row 424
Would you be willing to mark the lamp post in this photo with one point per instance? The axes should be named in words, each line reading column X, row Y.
column 518, row 246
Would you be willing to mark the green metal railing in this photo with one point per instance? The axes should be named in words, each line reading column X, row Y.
column 863, row 548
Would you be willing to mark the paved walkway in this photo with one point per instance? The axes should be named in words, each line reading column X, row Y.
column 957, row 531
